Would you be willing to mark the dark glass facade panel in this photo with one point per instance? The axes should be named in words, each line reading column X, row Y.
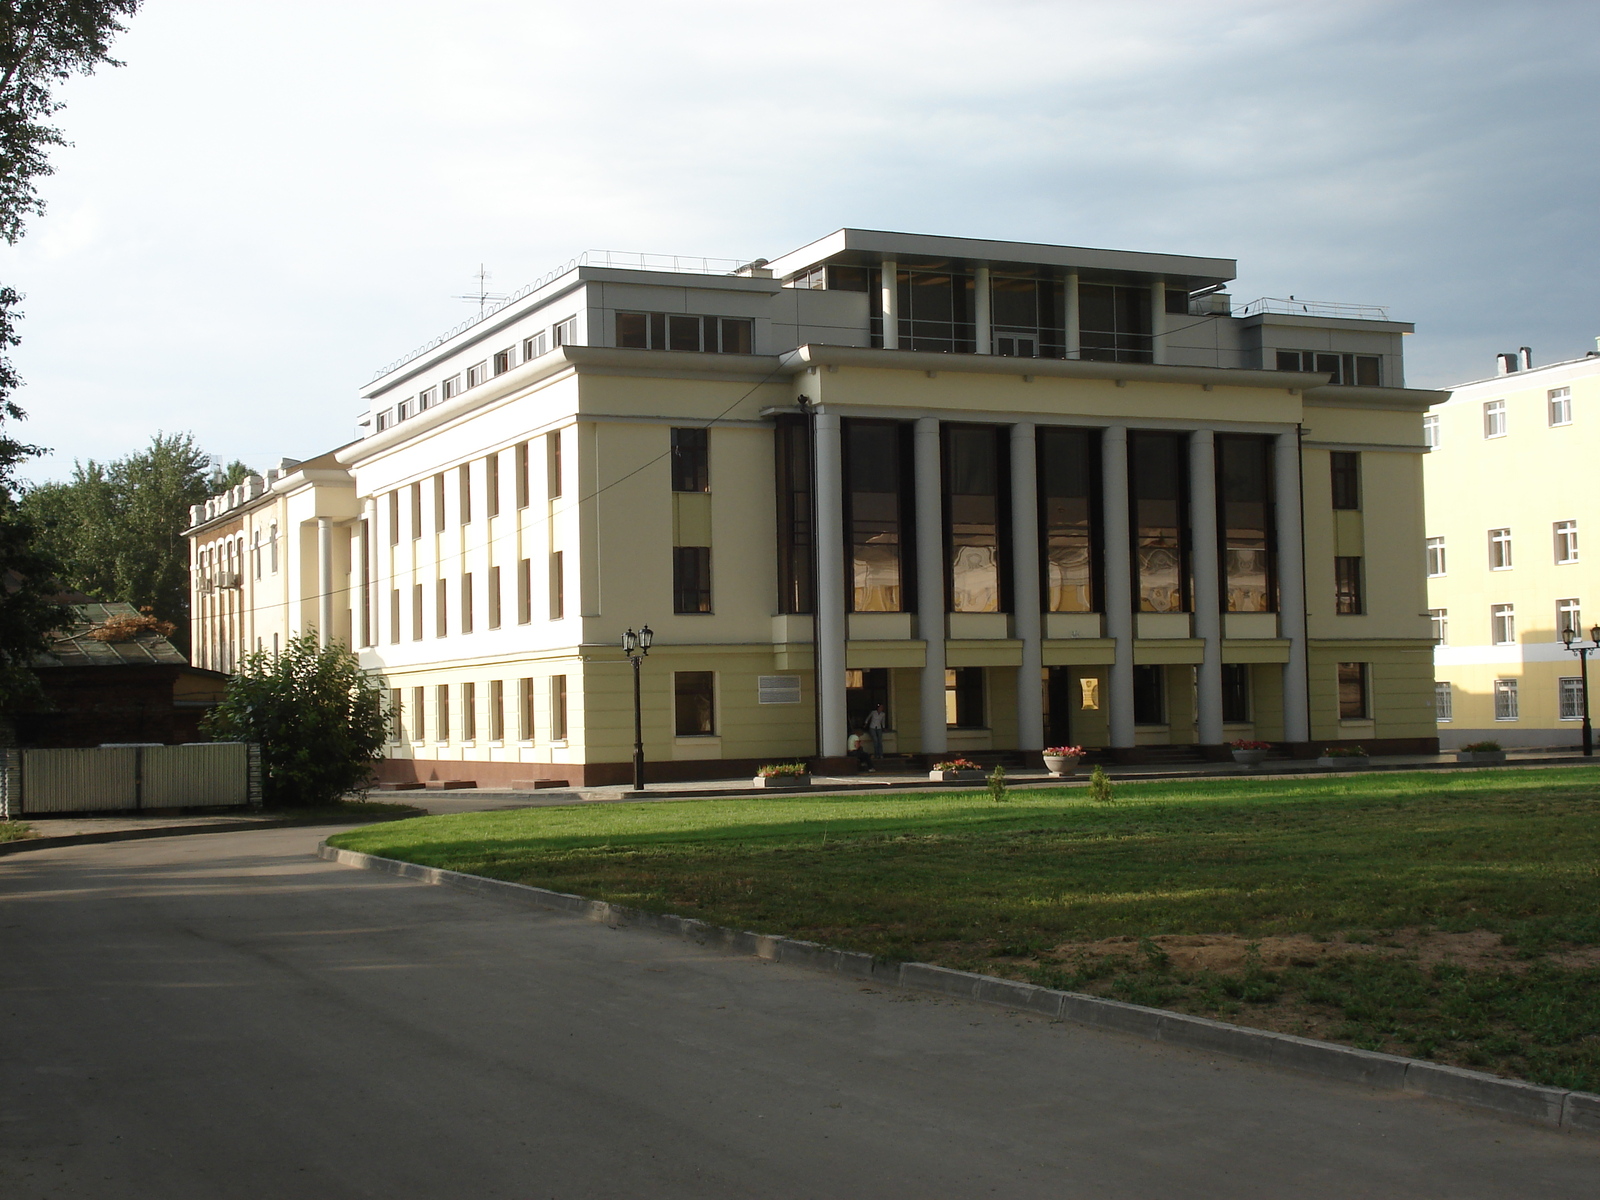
column 874, row 506
column 1245, row 510
column 1178, row 302
column 691, row 579
column 676, row 331
column 936, row 312
column 691, row 461
column 1113, row 323
column 850, row 279
column 694, row 702
column 1160, row 486
column 1069, row 461
column 1025, row 316
column 1236, row 693
column 792, row 444
column 974, row 480
column 1150, row 695
column 963, row 698
column 734, row 336
column 1345, row 468
column 633, row 330
column 1353, row 691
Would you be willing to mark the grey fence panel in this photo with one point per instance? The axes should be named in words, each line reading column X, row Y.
column 10, row 784
column 90, row 780
column 199, row 775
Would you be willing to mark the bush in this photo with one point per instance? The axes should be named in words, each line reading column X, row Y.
column 1100, row 786
column 1343, row 752
column 783, row 770
column 317, row 715
column 997, row 783
column 1483, row 747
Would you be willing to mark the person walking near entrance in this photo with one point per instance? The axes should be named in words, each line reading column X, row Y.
column 877, row 720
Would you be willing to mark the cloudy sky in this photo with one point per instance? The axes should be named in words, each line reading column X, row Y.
column 275, row 197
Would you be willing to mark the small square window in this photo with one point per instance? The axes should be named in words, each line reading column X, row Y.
column 1560, row 406
column 1494, row 419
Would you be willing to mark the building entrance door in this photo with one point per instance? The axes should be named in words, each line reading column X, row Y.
column 1016, row 345
column 1057, row 706
column 864, row 689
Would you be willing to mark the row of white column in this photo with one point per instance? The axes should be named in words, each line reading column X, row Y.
column 1028, row 619
column 983, row 310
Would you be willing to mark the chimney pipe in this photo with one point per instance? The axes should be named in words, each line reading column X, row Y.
column 1506, row 363
column 1526, row 355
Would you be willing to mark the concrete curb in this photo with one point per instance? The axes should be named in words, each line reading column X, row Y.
column 1556, row 1107
column 157, row 831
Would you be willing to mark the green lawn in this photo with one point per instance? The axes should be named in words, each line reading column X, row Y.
column 1020, row 888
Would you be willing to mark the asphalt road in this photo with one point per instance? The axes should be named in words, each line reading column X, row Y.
column 225, row 1016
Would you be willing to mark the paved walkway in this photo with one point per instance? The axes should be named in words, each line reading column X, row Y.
column 228, row 1018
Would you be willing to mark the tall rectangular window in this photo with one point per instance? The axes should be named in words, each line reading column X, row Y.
column 1499, row 549
column 525, row 591
column 1503, row 624
column 1494, row 419
column 1149, row 695
column 1114, row 323
column 1068, row 486
column 522, row 474
column 397, row 716
column 1439, row 619
column 1236, row 693
column 1560, row 401
column 1244, row 497
column 466, row 602
column 936, row 309
column 1443, row 701
column 558, row 708
column 1569, row 616
column 1345, row 467
column 1435, row 557
column 416, row 510
column 1347, row 585
column 792, row 448
column 419, row 716
column 1566, row 533
column 691, row 579
column 504, row 359
column 441, row 712
column 525, row 710
column 1505, row 700
column 552, row 464
column 1430, row 431
column 1160, row 485
column 1571, row 697
column 416, row 612
column 494, row 597
column 469, row 712
column 694, row 702
column 491, row 484
column 691, row 460
column 464, row 492
column 558, row 587
column 963, row 698
column 438, row 502
column 872, row 451
column 497, row 710
column 394, row 615
column 1353, row 691
column 441, row 608
column 394, row 517
column 974, row 479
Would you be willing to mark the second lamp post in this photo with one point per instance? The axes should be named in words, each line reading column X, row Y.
column 1569, row 636
column 636, row 646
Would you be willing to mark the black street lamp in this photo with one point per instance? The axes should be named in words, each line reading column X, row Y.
column 1569, row 635
column 637, row 646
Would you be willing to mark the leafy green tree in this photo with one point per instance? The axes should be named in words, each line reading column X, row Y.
column 319, row 718
column 117, row 528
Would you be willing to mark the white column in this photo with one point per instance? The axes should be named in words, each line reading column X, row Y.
column 931, row 600
column 1207, row 585
column 1119, row 581
column 1074, row 343
column 1025, row 585
column 831, row 625
column 890, row 305
column 982, row 309
column 324, row 579
column 1291, row 588
column 1158, row 321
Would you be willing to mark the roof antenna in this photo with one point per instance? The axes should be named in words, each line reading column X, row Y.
column 483, row 296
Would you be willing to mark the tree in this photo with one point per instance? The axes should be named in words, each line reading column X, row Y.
column 117, row 528
column 318, row 717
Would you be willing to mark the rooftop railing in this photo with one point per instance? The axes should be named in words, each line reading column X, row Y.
column 1292, row 307
column 619, row 259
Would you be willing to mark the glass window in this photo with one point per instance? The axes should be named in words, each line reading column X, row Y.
column 691, row 579
column 1503, row 624
column 963, row 698
column 416, row 612
column 633, row 330
column 792, row 445
column 1430, row 431
column 397, row 715
column 451, row 387
column 972, row 481
column 1505, row 699
column 873, row 514
column 1435, row 556
column 1571, row 698
column 438, row 502
column 494, row 597
column 491, row 485
column 1568, row 616
column 533, row 347
column 1288, row 360
column 691, row 461
column 1160, row 484
column 1494, row 419
column 558, row 708
column 1443, row 701
column 1560, row 400
column 441, row 608
column 552, row 464
column 1499, row 549
column 469, row 712
column 1346, row 470
column 466, row 602
column 522, row 475
column 394, row 615
column 1236, row 693
column 936, row 312
column 558, row 586
column 1114, row 323
column 565, row 333
column 524, row 591
column 1150, row 695
column 441, row 711
column 1068, row 486
column 1353, row 691
column 1369, row 370
column 1244, row 494
column 1347, row 585
column 477, row 374
column 464, row 497
column 1439, row 618
column 418, row 715
column 525, row 710
column 497, row 710
column 694, row 699
column 735, row 335
column 1566, row 541
column 504, row 360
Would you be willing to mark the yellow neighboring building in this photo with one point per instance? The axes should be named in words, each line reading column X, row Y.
column 1509, row 489
column 1017, row 494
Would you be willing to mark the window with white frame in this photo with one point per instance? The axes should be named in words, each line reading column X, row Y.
column 1505, row 699
column 1560, row 406
column 536, row 345
column 1503, row 624
column 1443, row 701
column 505, row 359
column 272, row 548
column 1568, row 617
column 1435, row 556
column 385, row 419
column 564, row 333
column 427, row 399
column 1566, row 541
column 1440, row 619
column 255, row 554
column 477, row 373
column 1430, row 431
column 1494, row 419
column 404, row 410
column 1499, row 549
column 451, row 387
column 1571, row 698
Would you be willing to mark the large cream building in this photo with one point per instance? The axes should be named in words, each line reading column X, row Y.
column 1509, row 491
column 1018, row 494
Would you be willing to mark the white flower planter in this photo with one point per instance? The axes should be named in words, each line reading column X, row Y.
column 1348, row 762
column 1060, row 766
column 782, row 781
column 956, row 776
column 1250, row 758
column 1481, row 756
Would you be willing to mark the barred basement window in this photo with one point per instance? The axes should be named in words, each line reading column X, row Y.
column 1443, row 701
column 1505, row 699
column 1571, row 698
